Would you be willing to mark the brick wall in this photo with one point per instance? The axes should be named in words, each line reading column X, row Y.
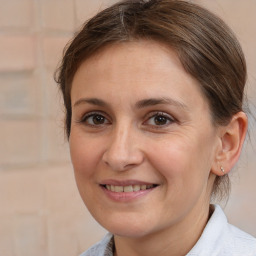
column 40, row 209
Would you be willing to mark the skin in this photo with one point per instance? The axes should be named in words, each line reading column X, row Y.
column 180, row 154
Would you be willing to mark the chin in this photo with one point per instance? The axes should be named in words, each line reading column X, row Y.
column 131, row 232
column 126, row 228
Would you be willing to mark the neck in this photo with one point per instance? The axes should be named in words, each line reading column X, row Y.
column 175, row 240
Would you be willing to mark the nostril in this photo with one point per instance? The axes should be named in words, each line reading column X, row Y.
column 122, row 151
column 120, row 161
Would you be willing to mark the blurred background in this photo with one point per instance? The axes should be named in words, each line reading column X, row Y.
column 41, row 212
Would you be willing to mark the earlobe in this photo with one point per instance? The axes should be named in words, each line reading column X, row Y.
column 231, row 142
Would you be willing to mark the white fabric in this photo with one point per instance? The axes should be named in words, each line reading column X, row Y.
column 219, row 238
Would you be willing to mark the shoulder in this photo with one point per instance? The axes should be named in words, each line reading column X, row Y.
column 223, row 239
column 102, row 248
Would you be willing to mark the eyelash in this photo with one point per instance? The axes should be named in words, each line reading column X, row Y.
column 148, row 117
column 153, row 115
column 85, row 118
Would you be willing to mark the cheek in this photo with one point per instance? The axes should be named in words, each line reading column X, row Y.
column 85, row 155
column 180, row 162
column 170, row 157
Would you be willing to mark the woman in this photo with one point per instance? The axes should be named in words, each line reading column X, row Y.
column 153, row 92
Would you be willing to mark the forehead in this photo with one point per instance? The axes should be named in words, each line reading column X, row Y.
column 147, row 53
column 140, row 68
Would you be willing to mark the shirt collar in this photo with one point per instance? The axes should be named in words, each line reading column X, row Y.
column 210, row 240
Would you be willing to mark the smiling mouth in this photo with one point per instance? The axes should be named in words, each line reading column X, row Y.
column 127, row 189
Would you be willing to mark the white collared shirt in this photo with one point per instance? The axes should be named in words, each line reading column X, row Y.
column 219, row 238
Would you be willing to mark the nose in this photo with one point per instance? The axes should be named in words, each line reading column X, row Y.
column 123, row 150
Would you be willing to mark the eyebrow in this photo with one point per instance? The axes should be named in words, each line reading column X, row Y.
column 159, row 101
column 140, row 104
column 92, row 101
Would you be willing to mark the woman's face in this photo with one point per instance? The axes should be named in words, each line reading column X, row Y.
column 142, row 142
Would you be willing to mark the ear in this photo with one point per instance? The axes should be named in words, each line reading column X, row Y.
column 231, row 141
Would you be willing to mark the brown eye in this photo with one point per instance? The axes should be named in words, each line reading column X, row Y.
column 98, row 119
column 94, row 119
column 160, row 120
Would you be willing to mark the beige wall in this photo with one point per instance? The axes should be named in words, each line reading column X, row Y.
column 40, row 209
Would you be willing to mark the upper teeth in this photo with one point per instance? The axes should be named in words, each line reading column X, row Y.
column 130, row 188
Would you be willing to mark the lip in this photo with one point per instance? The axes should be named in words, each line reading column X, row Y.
column 125, row 196
column 124, row 182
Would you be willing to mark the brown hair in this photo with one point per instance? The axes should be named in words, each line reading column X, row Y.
column 207, row 48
